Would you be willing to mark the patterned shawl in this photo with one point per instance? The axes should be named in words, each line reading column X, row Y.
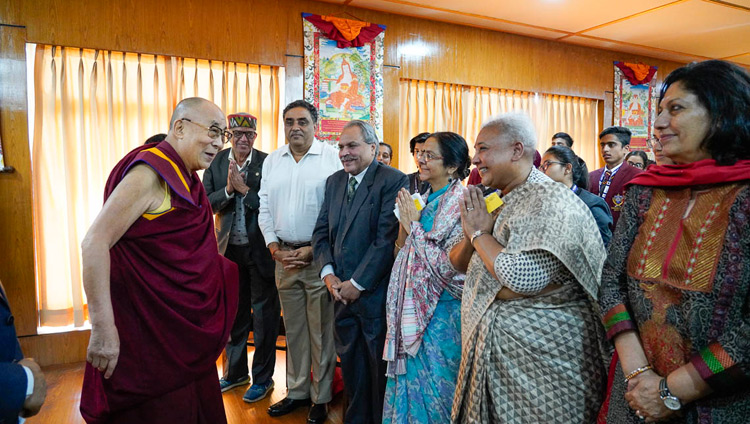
column 540, row 214
column 420, row 273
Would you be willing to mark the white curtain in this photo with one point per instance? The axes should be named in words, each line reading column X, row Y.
column 432, row 106
column 91, row 107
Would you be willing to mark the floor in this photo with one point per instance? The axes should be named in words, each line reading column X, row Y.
column 64, row 395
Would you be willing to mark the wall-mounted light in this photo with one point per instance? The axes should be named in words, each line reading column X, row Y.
column 415, row 49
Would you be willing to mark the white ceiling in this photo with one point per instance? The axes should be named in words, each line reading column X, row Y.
column 681, row 30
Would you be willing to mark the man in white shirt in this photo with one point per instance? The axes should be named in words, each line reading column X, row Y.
column 291, row 195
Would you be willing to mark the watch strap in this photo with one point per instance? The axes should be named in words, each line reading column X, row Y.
column 670, row 401
column 476, row 234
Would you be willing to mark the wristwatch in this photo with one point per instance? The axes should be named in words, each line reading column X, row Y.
column 476, row 234
column 670, row 401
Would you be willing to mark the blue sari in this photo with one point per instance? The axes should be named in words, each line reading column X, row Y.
column 425, row 393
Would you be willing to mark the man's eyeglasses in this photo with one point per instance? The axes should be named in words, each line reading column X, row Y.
column 543, row 167
column 213, row 131
column 250, row 135
column 427, row 156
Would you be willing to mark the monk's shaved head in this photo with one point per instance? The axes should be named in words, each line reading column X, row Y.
column 193, row 105
column 196, row 132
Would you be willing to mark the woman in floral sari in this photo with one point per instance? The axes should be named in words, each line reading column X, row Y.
column 423, row 340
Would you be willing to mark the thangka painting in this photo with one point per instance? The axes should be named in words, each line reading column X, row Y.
column 635, row 101
column 343, row 73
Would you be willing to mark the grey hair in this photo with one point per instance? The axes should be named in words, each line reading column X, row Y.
column 514, row 126
column 368, row 132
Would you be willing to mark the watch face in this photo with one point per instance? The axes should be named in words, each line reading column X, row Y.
column 672, row 403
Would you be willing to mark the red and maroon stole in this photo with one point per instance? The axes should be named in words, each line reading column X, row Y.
column 702, row 172
column 174, row 296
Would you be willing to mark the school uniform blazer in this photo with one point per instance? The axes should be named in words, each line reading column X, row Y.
column 358, row 239
column 616, row 193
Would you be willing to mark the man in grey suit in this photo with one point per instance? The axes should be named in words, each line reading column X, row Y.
column 232, row 183
column 353, row 245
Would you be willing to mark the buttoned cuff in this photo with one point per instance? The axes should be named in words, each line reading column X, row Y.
column 356, row 286
column 29, row 381
column 328, row 269
column 270, row 239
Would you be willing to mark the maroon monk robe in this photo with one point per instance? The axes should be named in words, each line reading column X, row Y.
column 174, row 299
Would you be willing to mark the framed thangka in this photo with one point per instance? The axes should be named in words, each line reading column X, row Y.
column 343, row 72
column 635, row 101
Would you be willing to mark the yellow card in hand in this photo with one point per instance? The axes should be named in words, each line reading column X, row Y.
column 493, row 201
column 418, row 202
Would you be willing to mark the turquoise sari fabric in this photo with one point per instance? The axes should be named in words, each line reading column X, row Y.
column 425, row 393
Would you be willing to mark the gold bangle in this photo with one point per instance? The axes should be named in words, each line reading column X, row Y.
column 397, row 246
column 636, row 372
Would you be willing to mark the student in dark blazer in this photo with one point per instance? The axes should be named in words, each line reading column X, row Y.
column 609, row 182
column 22, row 385
column 353, row 244
column 563, row 166
column 232, row 183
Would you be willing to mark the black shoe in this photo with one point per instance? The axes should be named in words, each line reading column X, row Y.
column 318, row 413
column 286, row 406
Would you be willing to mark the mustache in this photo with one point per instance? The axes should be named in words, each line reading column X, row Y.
column 348, row 157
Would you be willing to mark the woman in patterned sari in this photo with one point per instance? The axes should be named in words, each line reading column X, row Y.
column 423, row 340
column 675, row 288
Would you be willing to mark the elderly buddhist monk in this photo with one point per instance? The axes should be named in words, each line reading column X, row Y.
column 161, row 298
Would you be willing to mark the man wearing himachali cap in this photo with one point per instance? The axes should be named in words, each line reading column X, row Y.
column 232, row 183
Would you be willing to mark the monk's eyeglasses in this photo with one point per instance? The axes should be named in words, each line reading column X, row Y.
column 213, row 131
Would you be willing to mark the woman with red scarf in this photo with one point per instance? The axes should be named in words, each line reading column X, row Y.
column 675, row 288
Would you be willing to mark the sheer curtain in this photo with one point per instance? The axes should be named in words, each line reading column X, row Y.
column 91, row 107
column 431, row 106
column 426, row 106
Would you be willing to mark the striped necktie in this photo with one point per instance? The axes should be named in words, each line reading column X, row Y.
column 604, row 186
column 351, row 189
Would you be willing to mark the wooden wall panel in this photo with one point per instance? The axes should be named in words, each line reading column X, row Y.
column 251, row 31
column 53, row 349
column 260, row 32
column 16, row 237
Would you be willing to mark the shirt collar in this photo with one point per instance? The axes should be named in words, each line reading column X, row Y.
column 315, row 149
column 231, row 156
column 359, row 177
column 615, row 169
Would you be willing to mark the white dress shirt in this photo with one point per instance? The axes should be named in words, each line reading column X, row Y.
column 291, row 193
column 29, row 388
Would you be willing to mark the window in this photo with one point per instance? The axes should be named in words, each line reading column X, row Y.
column 87, row 109
column 434, row 106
